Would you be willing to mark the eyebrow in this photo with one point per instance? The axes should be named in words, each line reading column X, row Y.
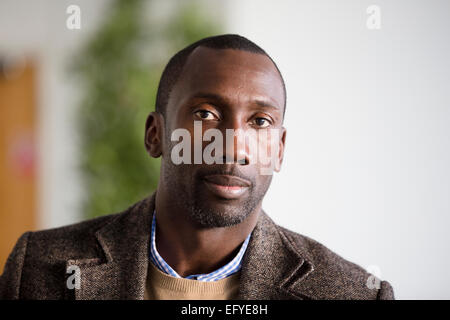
column 210, row 96
column 224, row 101
column 266, row 104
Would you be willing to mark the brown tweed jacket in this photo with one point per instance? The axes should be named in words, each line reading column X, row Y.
column 112, row 254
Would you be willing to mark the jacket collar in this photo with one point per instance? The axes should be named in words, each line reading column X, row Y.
column 121, row 271
column 273, row 266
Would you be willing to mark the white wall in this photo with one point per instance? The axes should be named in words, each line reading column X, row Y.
column 366, row 168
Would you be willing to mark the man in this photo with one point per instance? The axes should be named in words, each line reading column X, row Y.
column 203, row 233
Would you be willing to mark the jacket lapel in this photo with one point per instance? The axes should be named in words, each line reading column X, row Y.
column 273, row 266
column 122, row 273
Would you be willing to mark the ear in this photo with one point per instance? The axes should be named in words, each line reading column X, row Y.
column 154, row 127
column 277, row 167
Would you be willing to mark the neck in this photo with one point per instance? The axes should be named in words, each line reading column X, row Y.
column 189, row 249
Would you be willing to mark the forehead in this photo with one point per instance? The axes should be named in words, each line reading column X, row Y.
column 234, row 74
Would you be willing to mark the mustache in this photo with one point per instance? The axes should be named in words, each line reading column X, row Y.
column 231, row 170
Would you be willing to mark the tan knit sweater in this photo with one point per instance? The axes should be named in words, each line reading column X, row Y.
column 161, row 286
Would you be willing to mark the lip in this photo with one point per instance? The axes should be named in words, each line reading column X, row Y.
column 226, row 186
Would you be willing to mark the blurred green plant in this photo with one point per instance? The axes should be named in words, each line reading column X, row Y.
column 118, row 72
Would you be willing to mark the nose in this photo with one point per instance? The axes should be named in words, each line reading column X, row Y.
column 236, row 144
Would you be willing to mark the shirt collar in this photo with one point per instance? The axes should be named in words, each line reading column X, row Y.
column 230, row 268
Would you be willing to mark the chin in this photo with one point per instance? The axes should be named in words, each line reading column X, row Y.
column 218, row 216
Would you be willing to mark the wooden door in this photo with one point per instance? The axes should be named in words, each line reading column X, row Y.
column 17, row 156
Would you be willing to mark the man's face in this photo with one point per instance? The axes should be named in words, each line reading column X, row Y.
column 224, row 89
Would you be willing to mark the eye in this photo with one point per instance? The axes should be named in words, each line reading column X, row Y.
column 205, row 115
column 262, row 122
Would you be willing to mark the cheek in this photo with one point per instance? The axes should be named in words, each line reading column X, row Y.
column 262, row 184
column 267, row 152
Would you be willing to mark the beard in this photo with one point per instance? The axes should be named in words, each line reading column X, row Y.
column 204, row 210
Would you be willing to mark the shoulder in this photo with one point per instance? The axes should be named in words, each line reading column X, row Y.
column 73, row 241
column 80, row 240
column 39, row 257
column 68, row 242
column 37, row 264
column 334, row 277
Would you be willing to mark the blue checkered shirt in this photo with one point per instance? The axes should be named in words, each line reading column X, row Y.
column 227, row 270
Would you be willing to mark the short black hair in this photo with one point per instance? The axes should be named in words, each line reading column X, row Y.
column 176, row 64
